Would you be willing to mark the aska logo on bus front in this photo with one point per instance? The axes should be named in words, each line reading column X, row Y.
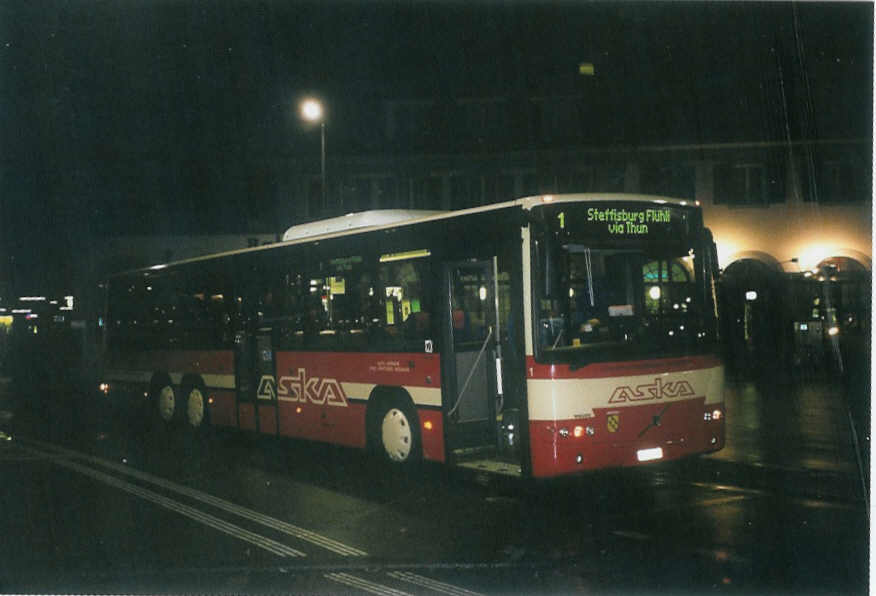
column 301, row 388
column 656, row 390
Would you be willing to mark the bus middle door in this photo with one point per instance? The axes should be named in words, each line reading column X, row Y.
column 255, row 368
column 470, row 362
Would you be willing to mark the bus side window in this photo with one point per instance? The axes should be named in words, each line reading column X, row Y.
column 406, row 314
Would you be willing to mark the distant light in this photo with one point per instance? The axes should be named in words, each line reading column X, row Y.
column 482, row 293
column 586, row 69
column 751, row 295
column 804, row 327
column 547, row 198
column 654, row 292
column 32, row 299
column 157, row 267
column 311, row 110
column 833, row 331
column 20, row 311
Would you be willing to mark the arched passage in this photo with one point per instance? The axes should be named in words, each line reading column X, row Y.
column 754, row 325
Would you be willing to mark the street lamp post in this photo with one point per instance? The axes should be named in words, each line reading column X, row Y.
column 311, row 110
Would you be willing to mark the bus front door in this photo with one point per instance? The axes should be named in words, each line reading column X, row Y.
column 470, row 357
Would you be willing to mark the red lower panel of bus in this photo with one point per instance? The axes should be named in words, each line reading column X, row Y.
column 624, row 437
column 432, row 433
column 223, row 409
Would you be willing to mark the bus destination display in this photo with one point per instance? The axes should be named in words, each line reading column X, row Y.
column 624, row 222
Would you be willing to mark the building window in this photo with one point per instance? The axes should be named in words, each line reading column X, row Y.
column 578, row 180
column 355, row 194
column 386, row 192
column 427, row 193
column 837, row 181
column 483, row 120
column 610, row 177
column 558, row 118
column 466, row 191
column 749, row 184
column 676, row 180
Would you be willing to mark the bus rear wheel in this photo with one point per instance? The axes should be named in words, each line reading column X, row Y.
column 197, row 415
column 165, row 402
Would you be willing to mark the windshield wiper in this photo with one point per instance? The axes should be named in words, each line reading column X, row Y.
column 655, row 421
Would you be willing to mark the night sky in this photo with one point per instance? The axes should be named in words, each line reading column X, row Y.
column 171, row 116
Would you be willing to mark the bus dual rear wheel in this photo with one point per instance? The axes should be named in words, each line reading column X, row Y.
column 164, row 401
column 196, row 414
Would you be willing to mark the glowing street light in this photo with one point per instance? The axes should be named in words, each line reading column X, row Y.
column 312, row 111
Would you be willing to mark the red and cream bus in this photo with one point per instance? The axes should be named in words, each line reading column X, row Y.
column 538, row 337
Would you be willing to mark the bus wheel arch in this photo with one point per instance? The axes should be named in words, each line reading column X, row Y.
column 393, row 426
column 193, row 403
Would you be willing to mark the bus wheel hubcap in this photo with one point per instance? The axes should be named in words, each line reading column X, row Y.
column 166, row 403
column 395, row 433
column 196, row 407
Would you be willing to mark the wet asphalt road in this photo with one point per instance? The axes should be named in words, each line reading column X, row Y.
column 89, row 505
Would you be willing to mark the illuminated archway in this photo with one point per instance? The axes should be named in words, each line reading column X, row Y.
column 754, row 255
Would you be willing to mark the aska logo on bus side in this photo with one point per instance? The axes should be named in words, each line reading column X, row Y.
column 301, row 388
column 656, row 390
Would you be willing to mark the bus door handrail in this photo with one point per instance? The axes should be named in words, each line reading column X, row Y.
column 471, row 372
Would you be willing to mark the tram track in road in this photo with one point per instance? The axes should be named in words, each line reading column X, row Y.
column 59, row 455
column 354, row 571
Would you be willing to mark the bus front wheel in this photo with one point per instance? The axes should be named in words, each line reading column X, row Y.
column 395, row 432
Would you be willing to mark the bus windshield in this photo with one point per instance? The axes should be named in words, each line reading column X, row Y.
column 603, row 295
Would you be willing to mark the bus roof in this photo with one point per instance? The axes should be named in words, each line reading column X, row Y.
column 351, row 221
column 377, row 219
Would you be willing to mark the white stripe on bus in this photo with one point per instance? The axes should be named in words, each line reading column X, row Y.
column 145, row 377
column 563, row 399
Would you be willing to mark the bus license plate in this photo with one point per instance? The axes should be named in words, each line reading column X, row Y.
column 650, row 454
